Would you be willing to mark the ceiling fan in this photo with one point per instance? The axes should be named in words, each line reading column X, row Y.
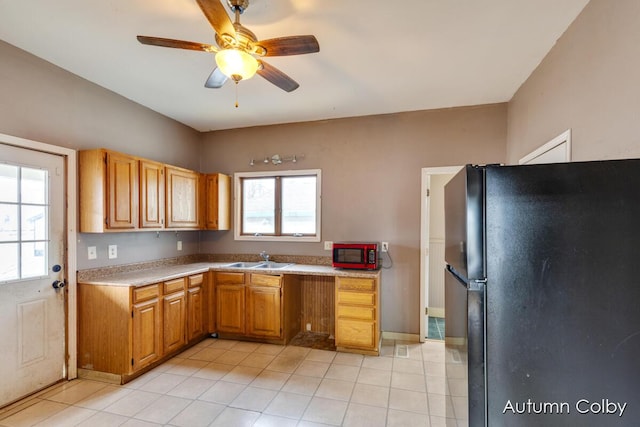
column 238, row 52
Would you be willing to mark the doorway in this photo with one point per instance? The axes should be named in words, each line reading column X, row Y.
column 432, row 314
column 37, row 267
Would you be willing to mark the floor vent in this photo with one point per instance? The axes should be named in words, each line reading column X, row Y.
column 402, row 351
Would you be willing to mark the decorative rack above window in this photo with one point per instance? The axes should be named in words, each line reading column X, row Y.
column 276, row 159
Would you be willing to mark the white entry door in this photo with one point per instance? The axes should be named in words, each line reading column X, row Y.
column 32, row 311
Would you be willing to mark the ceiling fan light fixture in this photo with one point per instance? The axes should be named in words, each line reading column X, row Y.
column 237, row 64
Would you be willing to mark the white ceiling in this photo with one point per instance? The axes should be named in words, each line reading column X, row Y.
column 376, row 56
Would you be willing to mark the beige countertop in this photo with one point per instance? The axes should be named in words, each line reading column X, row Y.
column 163, row 273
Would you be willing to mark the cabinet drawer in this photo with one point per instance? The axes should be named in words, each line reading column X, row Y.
column 359, row 298
column 355, row 312
column 174, row 286
column 266, row 280
column 355, row 333
column 196, row 280
column 229, row 278
column 356, row 284
column 145, row 293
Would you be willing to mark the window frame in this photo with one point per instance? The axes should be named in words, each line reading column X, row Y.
column 239, row 176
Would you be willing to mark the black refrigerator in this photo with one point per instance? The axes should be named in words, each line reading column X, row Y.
column 542, row 293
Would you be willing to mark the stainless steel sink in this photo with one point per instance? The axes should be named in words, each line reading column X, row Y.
column 244, row 264
column 273, row 265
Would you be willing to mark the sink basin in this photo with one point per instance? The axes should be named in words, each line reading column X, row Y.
column 244, row 264
column 274, row 265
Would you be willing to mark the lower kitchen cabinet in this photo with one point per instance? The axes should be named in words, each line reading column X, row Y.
column 124, row 329
column 263, row 309
column 357, row 304
column 230, row 302
column 196, row 307
column 174, row 309
column 249, row 305
column 147, row 326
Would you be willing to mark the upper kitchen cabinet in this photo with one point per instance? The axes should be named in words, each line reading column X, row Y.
column 218, row 202
column 108, row 191
column 183, row 201
column 120, row 192
column 151, row 194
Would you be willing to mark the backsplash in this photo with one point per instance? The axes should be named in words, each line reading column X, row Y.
column 93, row 273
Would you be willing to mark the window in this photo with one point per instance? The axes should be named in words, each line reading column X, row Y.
column 23, row 222
column 281, row 206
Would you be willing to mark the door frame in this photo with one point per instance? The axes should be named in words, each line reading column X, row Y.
column 563, row 138
column 424, row 237
column 70, row 159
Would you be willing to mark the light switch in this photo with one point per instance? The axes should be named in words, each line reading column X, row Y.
column 91, row 252
column 179, row 245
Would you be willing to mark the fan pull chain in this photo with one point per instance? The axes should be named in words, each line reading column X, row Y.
column 236, row 94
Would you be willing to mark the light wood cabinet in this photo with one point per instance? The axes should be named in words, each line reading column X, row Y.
column 119, row 329
column 182, row 198
column 357, row 320
column 108, row 191
column 196, row 297
column 120, row 192
column 174, row 309
column 263, row 314
column 151, row 194
column 252, row 308
column 124, row 329
column 218, row 202
column 230, row 302
column 147, row 328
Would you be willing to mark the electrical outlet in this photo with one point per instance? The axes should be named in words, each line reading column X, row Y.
column 179, row 245
column 91, row 252
column 328, row 245
column 113, row 251
column 385, row 246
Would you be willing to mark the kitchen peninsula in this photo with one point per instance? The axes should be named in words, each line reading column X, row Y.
column 131, row 321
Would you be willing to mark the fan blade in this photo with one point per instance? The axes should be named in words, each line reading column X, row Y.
column 217, row 16
column 292, row 45
column 216, row 79
column 178, row 44
column 277, row 77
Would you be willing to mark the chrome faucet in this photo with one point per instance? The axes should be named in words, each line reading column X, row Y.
column 264, row 256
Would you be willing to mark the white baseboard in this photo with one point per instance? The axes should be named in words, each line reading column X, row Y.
column 400, row 336
column 436, row 311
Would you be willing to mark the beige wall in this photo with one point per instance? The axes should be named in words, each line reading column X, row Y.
column 45, row 103
column 588, row 82
column 371, row 171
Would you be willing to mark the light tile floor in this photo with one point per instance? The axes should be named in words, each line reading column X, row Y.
column 233, row 383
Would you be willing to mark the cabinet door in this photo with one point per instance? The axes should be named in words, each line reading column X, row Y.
column 182, row 198
column 230, row 308
column 151, row 194
column 263, row 315
column 195, row 318
column 146, row 333
column 218, row 202
column 122, row 191
column 174, row 316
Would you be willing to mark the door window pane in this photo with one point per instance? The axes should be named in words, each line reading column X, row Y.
column 8, row 222
column 8, row 261
column 34, row 259
column 258, row 205
column 299, row 205
column 34, row 222
column 34, row 186
column 8, row 183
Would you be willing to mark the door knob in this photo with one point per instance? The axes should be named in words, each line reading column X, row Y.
column 58, row 284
